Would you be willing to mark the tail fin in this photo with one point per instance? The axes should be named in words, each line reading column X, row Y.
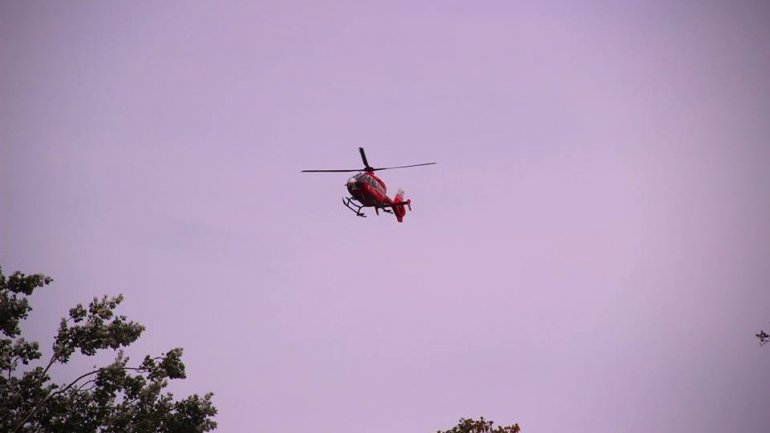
column 398, row 205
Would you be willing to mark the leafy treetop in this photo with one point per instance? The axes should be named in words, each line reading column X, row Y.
column 481, row 426
column 119, row 397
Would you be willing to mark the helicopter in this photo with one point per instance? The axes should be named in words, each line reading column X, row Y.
column 368, row 190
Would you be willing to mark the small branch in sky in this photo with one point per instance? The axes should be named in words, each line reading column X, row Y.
column 764, row 337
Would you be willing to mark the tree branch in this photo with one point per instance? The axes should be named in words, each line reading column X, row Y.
column 12, row 366
column 62, row 390
column 50, row 363
column 86, row 383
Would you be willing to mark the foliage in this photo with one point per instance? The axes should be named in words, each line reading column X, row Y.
column 481, row 426
column 763, row 336
column 120, row 397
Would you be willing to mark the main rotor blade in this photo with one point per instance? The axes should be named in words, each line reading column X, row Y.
column 363, row 157
column 403, row 166
column 331, row 171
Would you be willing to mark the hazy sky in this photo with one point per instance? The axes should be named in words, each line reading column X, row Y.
column 590, row 254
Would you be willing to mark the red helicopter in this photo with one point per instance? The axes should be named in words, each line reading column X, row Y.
column 368, row 190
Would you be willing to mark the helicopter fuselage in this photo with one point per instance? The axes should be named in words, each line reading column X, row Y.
column 369, row 190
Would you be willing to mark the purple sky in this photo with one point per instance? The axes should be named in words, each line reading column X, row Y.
column 590, row 254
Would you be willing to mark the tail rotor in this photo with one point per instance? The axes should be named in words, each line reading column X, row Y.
column 398, row 205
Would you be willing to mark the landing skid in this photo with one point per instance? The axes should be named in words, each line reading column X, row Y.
column 350, row 203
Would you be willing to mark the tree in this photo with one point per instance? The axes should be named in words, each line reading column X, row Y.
column 120, row 397
column 481, row 426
